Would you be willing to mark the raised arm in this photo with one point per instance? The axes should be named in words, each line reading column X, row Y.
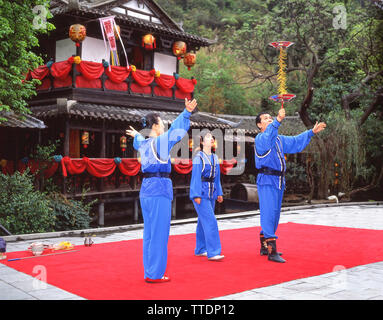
column 165, row 142
column 265, row 140
column 294, row 144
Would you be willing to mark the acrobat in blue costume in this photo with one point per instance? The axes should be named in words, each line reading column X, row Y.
column 156, row 193
column 205, row 184
column 270, row 149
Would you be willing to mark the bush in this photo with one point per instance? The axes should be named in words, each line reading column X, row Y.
column 70, row 214
column 22, row 208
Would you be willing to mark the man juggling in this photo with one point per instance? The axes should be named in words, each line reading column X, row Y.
column 270, row 148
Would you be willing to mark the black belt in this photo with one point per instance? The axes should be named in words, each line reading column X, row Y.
column 156, row 174
column 271, row 172
column 207, row 179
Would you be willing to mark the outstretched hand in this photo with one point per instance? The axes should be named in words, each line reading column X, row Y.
column 319, row 127
column 131, row 132
column 190, row 104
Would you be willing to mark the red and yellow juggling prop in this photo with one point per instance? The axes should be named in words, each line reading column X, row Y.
column 282, row 89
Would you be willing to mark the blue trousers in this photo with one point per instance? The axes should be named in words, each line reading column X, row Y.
column 156, row 212
column 207, row 235
column 270, row 202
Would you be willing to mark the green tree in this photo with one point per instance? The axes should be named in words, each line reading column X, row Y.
column 20, row 24
column 340, row 60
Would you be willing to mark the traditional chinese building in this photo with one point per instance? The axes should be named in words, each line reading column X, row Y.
column 89, row 96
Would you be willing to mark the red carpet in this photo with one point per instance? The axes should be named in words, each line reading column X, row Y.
column 114, row 270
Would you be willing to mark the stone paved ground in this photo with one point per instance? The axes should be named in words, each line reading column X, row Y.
column 359, row 283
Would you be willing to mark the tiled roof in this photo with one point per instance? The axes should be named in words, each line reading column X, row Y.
column 18, row 121
column 59, row 9
column 107, row 112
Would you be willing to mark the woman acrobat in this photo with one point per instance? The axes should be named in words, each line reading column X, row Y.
column 205, row 190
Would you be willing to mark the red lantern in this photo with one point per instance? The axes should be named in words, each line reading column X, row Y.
column 190, row 59
column 149, row 42
column 85, row 139
column 123, row 144
column 179, row 49
column 77, row 33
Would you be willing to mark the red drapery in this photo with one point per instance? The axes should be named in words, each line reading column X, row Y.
column 60, row 70
column 102, row 167
column 91, row 73
column 96, row 167
column 183, row 166
column 90, row 70
column 165, row 81
column 129, row 167
column 143, row 78
column 40, row 73
column 186, row 85
column 117, row 74
column 227, row 165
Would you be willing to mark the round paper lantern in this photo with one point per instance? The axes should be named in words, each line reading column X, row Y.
column 77, row 33
column 190, row 59
column 179, row 49
column 149, row 42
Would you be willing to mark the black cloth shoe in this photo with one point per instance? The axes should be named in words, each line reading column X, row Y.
column 272, row 251
column 263, row 251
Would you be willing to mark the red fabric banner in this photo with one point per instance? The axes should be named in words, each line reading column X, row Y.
column 101, row 167
column 143, row 78
column 183, row 166
column 110, row 85
column 136, row 88
column 186, row 85
column 60, row 70
column 158, row 91
column 83, row 82
column 96, row 167
column 227, row 165
column 117, row 74
column 129, row 167
column 40, row 73
column 90, row 70
column 165, row 81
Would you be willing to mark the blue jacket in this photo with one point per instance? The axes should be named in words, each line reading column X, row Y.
column 206, row 166
column 155, row 156
column 270, row 149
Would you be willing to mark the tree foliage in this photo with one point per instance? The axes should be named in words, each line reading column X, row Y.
column 19, row 27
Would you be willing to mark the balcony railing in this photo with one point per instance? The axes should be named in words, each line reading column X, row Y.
column 75, row 73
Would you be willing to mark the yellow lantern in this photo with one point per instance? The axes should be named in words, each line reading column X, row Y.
column 77, row 33
column 85, row 139
column 179, row 49
column 149, row 42
column 190, row 59
column 117, row 31
column 123, row 144
column 191, row 143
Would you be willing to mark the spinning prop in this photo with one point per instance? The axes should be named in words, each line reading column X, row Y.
column 282, row 95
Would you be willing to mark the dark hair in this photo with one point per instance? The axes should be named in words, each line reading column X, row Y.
column 150, row 119
column 258, row 118
column 202, row 137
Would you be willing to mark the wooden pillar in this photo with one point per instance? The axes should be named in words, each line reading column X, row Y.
column 103, row 141
column 135, row 217
column 174, row 206
column 101, row 215
column 67, row 138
